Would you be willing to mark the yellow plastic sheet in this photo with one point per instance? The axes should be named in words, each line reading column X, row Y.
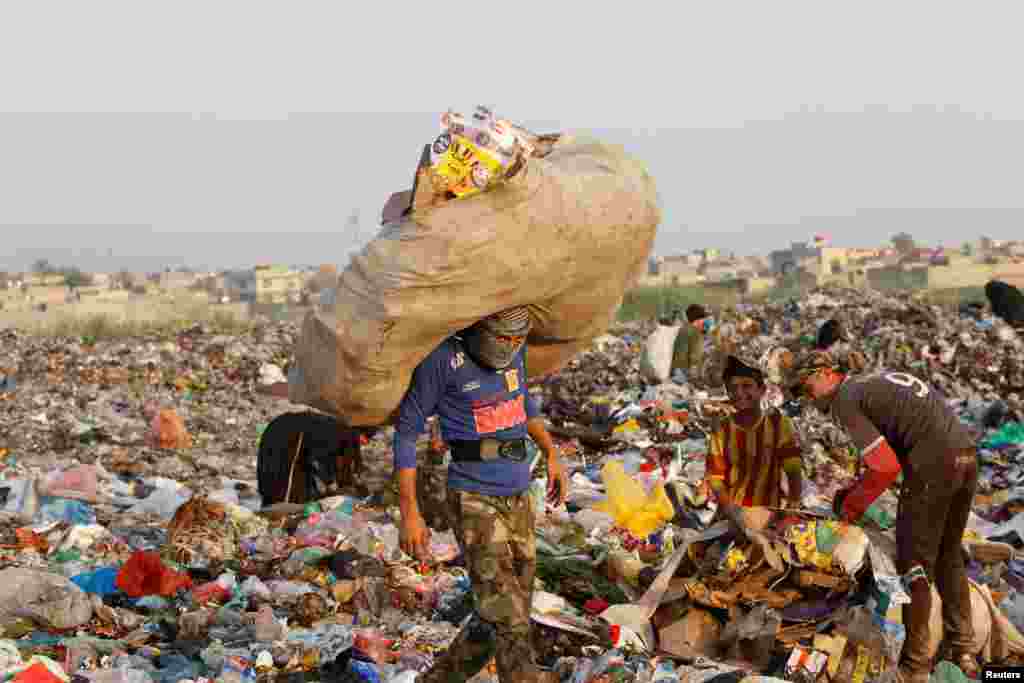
column 630, row 506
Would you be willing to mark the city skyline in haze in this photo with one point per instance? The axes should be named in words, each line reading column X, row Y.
column 151, row 191
column 761, row 123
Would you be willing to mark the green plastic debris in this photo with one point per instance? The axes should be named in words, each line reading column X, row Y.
column 577, row 581
column 947, row 672
column 67, row 556
column 881, row 518
column 312, row 556
column 1009, row 434
column 882, row 606
column 311, row 509
column 825, row 537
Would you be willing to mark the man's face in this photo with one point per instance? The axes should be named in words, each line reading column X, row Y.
column 744, row 393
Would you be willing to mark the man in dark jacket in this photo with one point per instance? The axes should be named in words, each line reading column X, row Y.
column 900, row 424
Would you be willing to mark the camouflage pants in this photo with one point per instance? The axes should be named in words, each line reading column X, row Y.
column 496, row 534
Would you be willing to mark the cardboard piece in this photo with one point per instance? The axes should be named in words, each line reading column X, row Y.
column 696, row 634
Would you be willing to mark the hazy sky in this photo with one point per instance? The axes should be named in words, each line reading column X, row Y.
column 670, row 81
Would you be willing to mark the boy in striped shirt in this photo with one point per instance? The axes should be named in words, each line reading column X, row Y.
column 749, row 452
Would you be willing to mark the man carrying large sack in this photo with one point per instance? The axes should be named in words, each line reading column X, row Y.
column 475, row 383
column 900, row 424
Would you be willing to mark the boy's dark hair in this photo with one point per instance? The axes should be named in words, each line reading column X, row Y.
column 695, row 312
column 734, row 367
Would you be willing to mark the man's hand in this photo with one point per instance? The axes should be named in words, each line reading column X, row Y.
column 413, row 534
column 558, row 478
column 734, row 514
column 414, row 537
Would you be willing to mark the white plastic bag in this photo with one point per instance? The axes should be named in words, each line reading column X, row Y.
column 656, row 362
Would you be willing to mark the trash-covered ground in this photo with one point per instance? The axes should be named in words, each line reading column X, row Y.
column 133, row 547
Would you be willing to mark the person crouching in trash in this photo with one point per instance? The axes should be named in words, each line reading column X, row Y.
column 476, row 384
column 900, row 424
column 750, row 450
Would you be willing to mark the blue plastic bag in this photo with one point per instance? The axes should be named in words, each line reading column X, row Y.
column 99, row 582
column 65, row 510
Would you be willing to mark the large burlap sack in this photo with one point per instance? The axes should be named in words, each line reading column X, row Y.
column 984, row 617
column 50, row 600
column 566, row 236
column 656, row 361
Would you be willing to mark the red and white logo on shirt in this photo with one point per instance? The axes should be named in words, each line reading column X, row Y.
column 503, row 415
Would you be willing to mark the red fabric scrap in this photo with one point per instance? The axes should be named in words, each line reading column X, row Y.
column 145, row 574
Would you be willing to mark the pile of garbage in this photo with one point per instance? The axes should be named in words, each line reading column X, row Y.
column 133, row 546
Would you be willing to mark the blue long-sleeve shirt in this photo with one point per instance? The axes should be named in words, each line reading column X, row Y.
column 472, row 402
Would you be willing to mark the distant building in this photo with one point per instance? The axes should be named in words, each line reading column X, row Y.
column 240, row 285
column 787, row 261
column 264, row 284
column 819, row 265
column 722, row 272
column 328, row 297
column 177, row 280
column 44, row 280
column 676, row 270
column 709, row 255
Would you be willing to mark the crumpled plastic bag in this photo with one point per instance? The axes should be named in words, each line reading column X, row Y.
column 37, row 672
column 880, row 636
column 101, row 581
column 145, row 574
column 803, row 538
column 656, row 361
column 947, row 672
column 48, row 599
column 10, row 657
column 630, row 506
column 167, row 430
column 1009, row 434
column 77, row 482
column 271, row 374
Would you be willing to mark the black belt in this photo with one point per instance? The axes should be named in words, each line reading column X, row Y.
column 486, row 450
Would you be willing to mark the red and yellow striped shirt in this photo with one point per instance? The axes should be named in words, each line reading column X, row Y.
column 748, row 463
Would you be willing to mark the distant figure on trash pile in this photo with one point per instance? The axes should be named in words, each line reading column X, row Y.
column 476, row 384
column 1007, row 302
column 307, row 456
column 901, row 424
column 688, row 352
column 830, row 332
column 749, row 452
